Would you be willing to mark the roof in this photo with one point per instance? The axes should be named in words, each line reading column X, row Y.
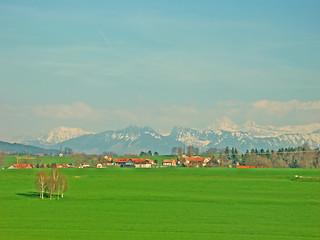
column 196, row 159
column 248, row 167
column 188, row 164
column 22, row 166
column 122, row 160
column 172, row 161
column 142, row 160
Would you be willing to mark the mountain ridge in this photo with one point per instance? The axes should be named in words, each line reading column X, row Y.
column 134, row 139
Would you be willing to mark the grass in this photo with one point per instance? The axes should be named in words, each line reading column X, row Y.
column 10, row 159
column 168, row 203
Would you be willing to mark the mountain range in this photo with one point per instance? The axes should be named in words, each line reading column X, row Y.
column 223, row 133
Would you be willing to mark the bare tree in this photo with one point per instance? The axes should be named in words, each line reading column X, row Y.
column 51, row 186
column 56, row 175
column 179, row 151
column 63, row 185
column 174, row 151
column 41, row 182
column 189, row 151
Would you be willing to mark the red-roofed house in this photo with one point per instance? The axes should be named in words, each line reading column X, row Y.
column 124, row 162
column 107, row 164
column 85, row 165
column 20, row 166
column 169, row 162
column 143, row 163
column 198, row 160
column 248, row 167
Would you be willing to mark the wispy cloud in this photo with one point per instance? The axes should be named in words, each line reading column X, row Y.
column 76, row 110
column 276, row 107
column 43, row 117
column 106, row 39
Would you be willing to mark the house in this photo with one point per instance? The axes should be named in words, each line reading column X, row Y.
column 128, row 163
column 198, row 160
column 121, row 161
column 98, row 165
column 20, row 166
column 107, row 164
column 169, row 162
column 85, row 164
column 108, row 158
column 188, row 165
column 143, row 163
column 124, row 162
column 248, row 167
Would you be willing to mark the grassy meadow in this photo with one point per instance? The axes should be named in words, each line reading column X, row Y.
column 166, row 203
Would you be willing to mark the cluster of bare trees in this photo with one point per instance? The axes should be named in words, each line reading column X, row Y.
column 191, row 150
column 56, row 184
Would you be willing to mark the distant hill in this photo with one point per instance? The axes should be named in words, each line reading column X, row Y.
column 21, row 148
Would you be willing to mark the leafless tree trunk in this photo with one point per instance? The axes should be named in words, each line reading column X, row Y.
column 41, row 182
column 63, row 185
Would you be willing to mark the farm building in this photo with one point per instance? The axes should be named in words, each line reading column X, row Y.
column 98, row 165
column 135, row 162
column 198, row 160
column 107, row 164
column 143, row 163
column 20, row 166
column 169, row 162
column 248, row 167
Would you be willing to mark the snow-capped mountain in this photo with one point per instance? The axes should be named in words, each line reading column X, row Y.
column 136, row 139
column 256, row 130
column 61, row 134
column 56, row 135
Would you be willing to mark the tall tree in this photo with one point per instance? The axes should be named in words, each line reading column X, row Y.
column 41, row 182
column 56, row 175
column 63, row 185
column 51, row 186
column 189, row 151
column 174, row 151
column 180, row 151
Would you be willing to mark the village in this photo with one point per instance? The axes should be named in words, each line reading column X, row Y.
column 129, row 162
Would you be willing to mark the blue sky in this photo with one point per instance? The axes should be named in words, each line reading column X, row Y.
column 108, row 64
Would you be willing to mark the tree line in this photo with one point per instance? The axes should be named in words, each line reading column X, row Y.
column 292, row 157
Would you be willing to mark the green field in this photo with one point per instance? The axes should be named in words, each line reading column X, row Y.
column 167, row 203
column 10, row 159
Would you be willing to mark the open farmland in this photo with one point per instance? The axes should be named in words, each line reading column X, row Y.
column 167, row 203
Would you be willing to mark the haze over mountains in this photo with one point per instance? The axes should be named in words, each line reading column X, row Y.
column 222, row 133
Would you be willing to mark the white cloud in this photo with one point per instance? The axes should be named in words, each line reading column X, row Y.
column 276, row 107
column 76, row 110
column 32, row 120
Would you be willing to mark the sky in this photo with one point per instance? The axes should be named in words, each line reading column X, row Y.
column 102, row 65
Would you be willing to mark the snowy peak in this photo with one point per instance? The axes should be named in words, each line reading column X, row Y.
column 261, row 131
column 271, row 131
column 225, row 124
column 61, row 134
